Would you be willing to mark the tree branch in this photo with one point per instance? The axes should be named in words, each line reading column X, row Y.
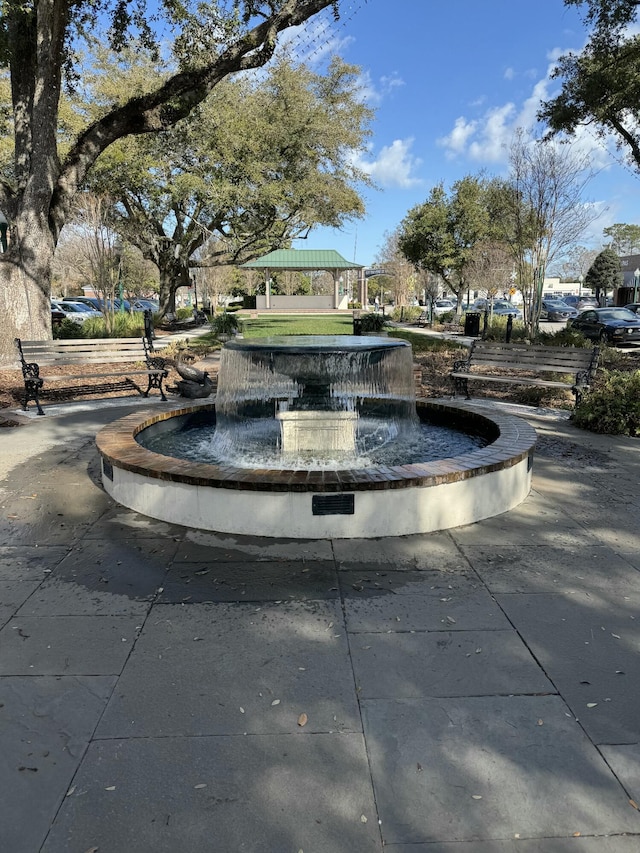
column 174, row 100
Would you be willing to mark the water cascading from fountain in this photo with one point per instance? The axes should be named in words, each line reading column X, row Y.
column 311, row 400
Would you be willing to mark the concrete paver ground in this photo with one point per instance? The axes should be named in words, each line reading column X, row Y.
column 165, row 690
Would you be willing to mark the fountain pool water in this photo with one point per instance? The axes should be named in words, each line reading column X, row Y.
column 318, row 437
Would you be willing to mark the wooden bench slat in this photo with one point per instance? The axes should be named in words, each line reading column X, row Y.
column 513, row 380
column 93, row 359
column 528, row 365
column 63, row 376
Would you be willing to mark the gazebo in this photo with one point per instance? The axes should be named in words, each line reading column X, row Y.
column 296, row 260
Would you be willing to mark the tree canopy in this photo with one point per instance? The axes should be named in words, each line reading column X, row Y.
column 601, row 85
column 605, row 273
column 439, row 235
column 519, row 223
column 40, row 49
column 258, row 163
column 623, row 238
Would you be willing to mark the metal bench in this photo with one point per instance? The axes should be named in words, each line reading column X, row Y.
column 524, row 364
column 104, row 365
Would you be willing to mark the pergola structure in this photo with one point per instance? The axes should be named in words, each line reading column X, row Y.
column 298, row 260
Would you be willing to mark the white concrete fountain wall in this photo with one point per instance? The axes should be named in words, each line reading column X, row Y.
column 382, row 501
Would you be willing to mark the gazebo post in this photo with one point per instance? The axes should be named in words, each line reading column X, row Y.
column 267, row 288
column 336, row 295
column 363, row 296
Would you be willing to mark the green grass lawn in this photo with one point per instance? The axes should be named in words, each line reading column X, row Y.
column 262, row 327
column 288, row 324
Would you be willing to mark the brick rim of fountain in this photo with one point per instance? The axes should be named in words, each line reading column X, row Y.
column 515, row 440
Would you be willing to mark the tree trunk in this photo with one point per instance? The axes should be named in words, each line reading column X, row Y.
column 25, row 276
column 166, row 291
column 174, row 273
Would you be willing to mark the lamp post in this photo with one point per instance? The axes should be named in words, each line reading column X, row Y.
column 580, row 280
column 636, row 283
column 194, row 281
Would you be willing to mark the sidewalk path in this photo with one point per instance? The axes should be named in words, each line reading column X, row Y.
column 164, row 690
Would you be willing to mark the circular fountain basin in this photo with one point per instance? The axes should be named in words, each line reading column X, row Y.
column 368, row 502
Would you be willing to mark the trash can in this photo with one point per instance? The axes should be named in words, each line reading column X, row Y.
column 357, row 323
column 472, row 324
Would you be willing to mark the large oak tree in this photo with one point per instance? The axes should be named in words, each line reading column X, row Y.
column 259, row 163
column 38, row 40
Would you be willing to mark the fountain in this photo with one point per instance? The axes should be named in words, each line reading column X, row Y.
column 318, row 437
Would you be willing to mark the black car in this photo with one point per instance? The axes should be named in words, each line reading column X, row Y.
column 613, row 325
column 90, row 301
column 555, row 310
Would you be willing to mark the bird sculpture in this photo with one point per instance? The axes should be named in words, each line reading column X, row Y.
column 186, row 371
column 192, row 389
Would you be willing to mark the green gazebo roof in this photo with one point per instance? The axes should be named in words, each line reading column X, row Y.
column 302, row 259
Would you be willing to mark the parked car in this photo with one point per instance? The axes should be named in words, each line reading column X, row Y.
column 57, row 315
column 145, row 305
column 502, row 308
column 557, row 311
column 76, row 311
column 613, row 325
column 98, row 304
column 581, row 302
column 633, row 306
column 443, row 306
column 91, row 301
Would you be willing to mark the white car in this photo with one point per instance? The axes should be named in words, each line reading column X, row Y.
column 76, row 311
column 443, row 306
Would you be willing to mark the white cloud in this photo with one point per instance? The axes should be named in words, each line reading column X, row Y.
column 512, row 74
column 373, row 93
column 456, row 141
column 394, row 166
column 486, row 139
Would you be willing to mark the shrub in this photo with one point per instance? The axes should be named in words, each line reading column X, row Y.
column 565, row 337
column 371, row 322
column 613, row 406
column 124, row 325
column 226, row 324
column 497, row 330
column 612, row 358
column 67, row 330
column 406, row 313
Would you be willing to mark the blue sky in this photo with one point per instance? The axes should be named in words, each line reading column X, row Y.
column 450, row 83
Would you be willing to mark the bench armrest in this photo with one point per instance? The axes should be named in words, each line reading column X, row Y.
column 461, row 364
